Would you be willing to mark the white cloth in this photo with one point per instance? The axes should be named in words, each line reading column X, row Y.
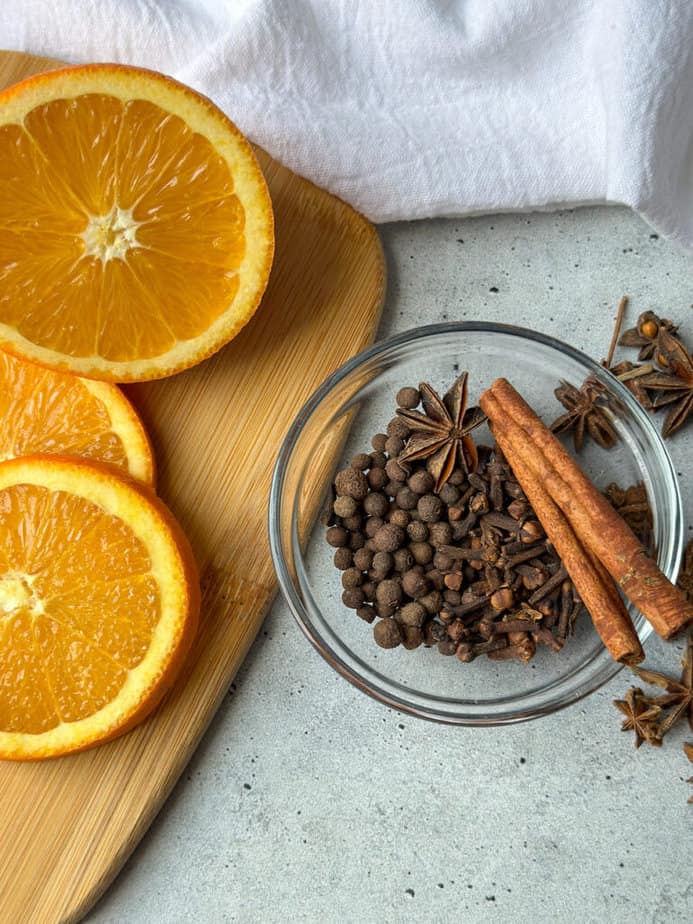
column 417, row 108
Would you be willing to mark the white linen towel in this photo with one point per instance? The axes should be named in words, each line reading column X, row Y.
column 417, row 108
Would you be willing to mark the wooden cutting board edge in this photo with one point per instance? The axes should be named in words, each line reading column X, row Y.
column 84, row 898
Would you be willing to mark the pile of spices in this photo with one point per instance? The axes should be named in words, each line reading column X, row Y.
column 662, row 380
column 439, row 545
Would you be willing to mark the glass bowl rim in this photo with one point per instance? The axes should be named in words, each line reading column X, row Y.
column 383, row 347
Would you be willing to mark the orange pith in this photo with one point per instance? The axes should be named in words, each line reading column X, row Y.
column 42, row 411
column 136, row 230
column 98, row 605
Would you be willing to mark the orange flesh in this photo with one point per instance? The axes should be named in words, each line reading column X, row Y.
column 68, row 637
column 45, row 411
column 111, row 212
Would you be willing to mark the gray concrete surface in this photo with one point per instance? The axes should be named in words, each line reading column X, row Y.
column 308, row 802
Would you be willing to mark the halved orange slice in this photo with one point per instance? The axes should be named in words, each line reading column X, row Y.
column 98, row 605
column 42, row 411
column 136, row 229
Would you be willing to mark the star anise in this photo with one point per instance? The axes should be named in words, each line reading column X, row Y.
column 685, row 581
column 644, row 334
column 584, row 414
column 679, row 693
column 640, row 716
column 441, row 433
column 673, row 388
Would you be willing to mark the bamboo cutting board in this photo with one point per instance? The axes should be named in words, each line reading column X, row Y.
column 68, row 825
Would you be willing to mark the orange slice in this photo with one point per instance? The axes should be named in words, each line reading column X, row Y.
column 42, row 411
column 136, row 230
column 98, row 605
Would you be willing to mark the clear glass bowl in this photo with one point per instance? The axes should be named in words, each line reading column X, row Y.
column 338, row 421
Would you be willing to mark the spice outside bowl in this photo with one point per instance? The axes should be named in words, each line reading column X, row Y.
column 337, row 422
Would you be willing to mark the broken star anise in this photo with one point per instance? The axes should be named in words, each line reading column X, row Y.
column 685, row 581
column 644, row 334
column 640, row 716
column 679, row 693
column 674, row 388
column 584, row 414
column 441, row 433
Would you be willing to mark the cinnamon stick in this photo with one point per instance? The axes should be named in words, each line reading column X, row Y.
column 609, row 615
column 595, row 522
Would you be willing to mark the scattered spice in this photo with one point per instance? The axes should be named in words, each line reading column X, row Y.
column 673, row 388
column 441, row 433
column 669, row 387
column 640, row 716
column 644, row 335
column 679, row 693
column 584, row 414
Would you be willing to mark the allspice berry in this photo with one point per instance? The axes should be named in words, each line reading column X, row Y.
column 449, row 494
column 417, row 531
column 403, row 560
column 345, row 507
column 357, row 540
column 337, row 537
column 422, row 552
column 406, row 499
column 457, row 477
column 412, row 637
column 373, row 524
column 368, row 588
column 378, row 441
column 351, row 483
column 352, row 577
column 389, row 537
column 377, row 478
column 429, row 508
column 382, row 562
column 408, row 398
column 366, row 612
column 398, row 427
column 376, row 504
column 361, row 461
column 415, row 584
column 395, row 471
column 421, row 482
column 394, row 445
column 353, row 597
column 432, row 602
column 343, row 559
column 389, row 592
column 399, row 518
column 387, row 633
column 413, row 614
column 385, row 610
column 353, row 523
column 363, row 559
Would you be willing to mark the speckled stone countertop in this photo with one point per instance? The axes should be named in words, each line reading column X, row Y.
column 309, row 802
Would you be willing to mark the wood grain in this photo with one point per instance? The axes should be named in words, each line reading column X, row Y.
column 68, row 825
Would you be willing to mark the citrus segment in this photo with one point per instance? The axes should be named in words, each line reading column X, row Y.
column 42, row 411
column 98, row 605
column 136, row 230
